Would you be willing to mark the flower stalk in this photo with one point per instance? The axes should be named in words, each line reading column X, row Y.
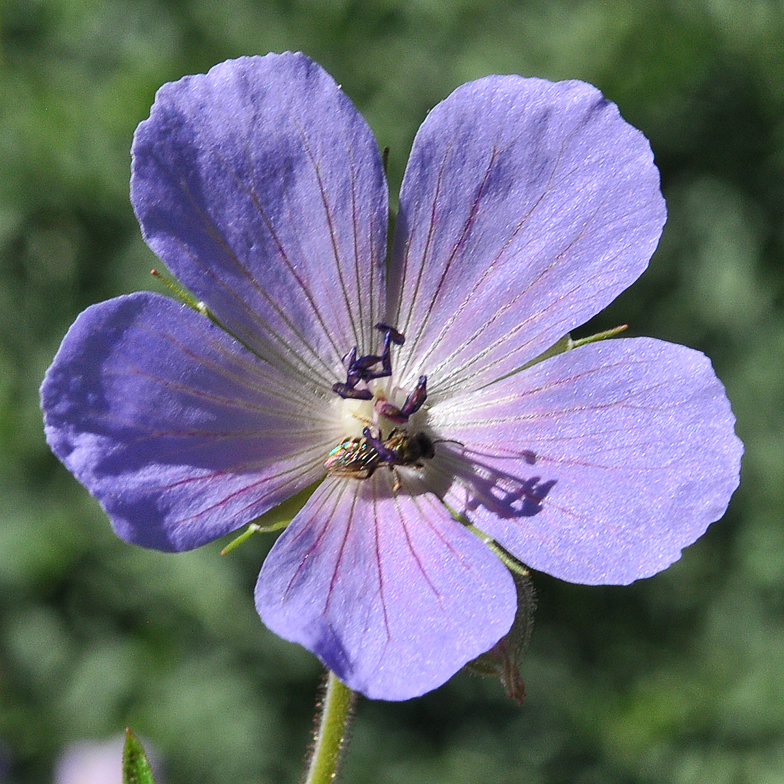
column 333, row 731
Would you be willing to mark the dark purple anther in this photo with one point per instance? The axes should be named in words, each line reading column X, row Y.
column 361, row 368
column 398, row 338
column 357, row 371
column 413, row 403
column 346, row 390
column 416, row 399
column 348, row 359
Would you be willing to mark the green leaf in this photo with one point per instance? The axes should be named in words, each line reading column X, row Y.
column 136, row 769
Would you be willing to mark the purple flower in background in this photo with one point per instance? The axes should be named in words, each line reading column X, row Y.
column 91, row 762
column 526, row 208
column 97, row 762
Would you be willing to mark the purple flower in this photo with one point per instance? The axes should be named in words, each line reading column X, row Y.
column 526, row 207
column 97, row 762
column 91, row 762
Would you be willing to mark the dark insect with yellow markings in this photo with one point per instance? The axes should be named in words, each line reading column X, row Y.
column 360, row 457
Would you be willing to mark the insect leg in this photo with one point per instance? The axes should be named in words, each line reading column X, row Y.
column 386, row 455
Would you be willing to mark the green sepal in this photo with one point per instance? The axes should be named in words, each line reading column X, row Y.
column 275, row 519
column 567, row 344
column 510, row 562
column 564, row 344
column 608, row 333
column 136, row 769
column 179, row 291
column 503, row 660
column 186, row 298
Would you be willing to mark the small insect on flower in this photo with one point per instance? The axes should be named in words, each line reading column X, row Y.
column 360, row 457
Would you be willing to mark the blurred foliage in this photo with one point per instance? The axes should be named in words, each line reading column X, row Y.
column 676, row 679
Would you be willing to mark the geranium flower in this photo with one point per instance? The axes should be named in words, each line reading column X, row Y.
column 526, row 207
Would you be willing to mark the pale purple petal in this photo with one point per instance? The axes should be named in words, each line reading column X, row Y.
column 98, row 762
column 179, row 432
column 526, row 208
column 261, row 187
column 598, row 465
column 387, row 589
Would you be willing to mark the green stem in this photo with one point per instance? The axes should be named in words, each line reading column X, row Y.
column 332, row 733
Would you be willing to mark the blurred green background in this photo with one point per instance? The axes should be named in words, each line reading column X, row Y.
column 676, row 679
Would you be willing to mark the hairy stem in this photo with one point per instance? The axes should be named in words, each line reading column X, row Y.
column 332, row 732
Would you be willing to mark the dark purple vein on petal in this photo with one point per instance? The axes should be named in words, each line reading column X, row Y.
column 457, row 373
column 319, row 521
column 406, row 533
column 308, row 463
column 492, row 402
column 342, row 490
column 266, row 330
column 301, row 284
column 243, row 491
column 379, row 563
column 366, row 320
column 200, row 394
column 450, row 259
column 291, row 393
column 274, row 357
column 417, row 286
column 333, row 238
column 547, row 190
column 494, row 263
column 435, row 501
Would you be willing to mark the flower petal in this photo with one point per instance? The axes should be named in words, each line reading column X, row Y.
column 262, row 188
column 600, row 464
column 177, row 430
column 526, row 208
column 386, row 588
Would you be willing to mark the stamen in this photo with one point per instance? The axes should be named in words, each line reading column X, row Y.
column 397, row 337
column 362, row 368
column 348, row 359
column 346, row 391
column 412, row 404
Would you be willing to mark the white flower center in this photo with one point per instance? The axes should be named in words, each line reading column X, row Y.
column 355, row 415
